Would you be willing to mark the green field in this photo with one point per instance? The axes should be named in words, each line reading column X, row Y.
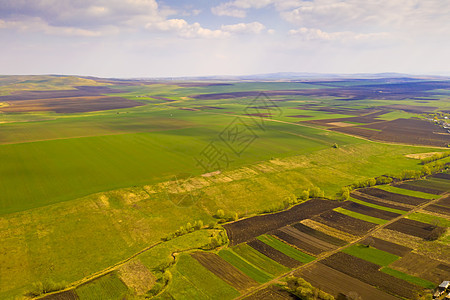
column 397, row 211
column 429, row 219
column 259, row 260
column 192, row 281
column 106, row 287
column 393, row 189
column 81, row 192
column 247, row 268
column 286, row 249
column 360, row 216
column 373, row 255
column 415, row 280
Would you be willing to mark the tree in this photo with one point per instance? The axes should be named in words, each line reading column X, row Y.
column 220, row 214
column 345, row 193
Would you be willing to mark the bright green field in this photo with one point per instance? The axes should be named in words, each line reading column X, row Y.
column 247, row 268
column 360, row 216
column 415, row 280
column 106, row 287
column 286, row 249
column 397, row 211
column 393, row 189
column 259, row 260
column 430, row 219
column 192, row 281
column 373, row 255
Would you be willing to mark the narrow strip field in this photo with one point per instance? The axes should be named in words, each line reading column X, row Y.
column 360, row 216
column 393, row 196
column 259, row 260
column 274, row 254
column 372, row 255
column 319, row 235
column 386, row 246
column 366, row 203
column 344, row 223
column 225, row 271
column 286, row 249
column 369, row 211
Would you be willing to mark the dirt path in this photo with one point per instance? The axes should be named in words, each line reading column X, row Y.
column 328, row 254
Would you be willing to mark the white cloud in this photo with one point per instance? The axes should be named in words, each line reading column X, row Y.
column 253, row 28
column 186, row 30
column 311, row 34
column 238, row 8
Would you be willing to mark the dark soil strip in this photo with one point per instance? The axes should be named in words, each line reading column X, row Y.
column 274, row 254
column 248, row 229
column 334, row 282
column 66, row 295
column 319, row 235
column 224, row 270
column 369, row 211
column 442, row 176
column 393, row 196
column 344, row 223
column 368, row 273
column 389, row 247
column 418, row 188
column 444, row 202
column 364, row 198
column 271, row 293
column 295, row 241
column 444, row 210
column 412, row 227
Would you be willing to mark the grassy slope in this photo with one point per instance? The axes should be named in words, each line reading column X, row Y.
column 376, row 256
column 106, row 287
column 430, row 219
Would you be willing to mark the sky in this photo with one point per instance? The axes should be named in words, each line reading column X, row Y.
column 168, row 38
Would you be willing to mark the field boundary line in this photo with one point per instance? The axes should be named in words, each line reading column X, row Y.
column 369, row 233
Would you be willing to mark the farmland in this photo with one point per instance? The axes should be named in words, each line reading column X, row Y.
column 104, row 185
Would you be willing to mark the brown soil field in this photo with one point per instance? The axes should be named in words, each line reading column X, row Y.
column 412, row 227
column 66, row 295
column 225, row 271
column 423, row 267
column 368, row 273
column 271, row 293
column 442, row 176
column 396, row 91
column 381, row 202
column 424, row 189
column 319, row 235
column 444, row 201
column 393, row 197
column 369, row 211
column 303, row 241
column 345, row 223
column 389, row 247
column 334, row 282
column 437, row 184
column 247, row 229
column 299, row 116
column 274, row 254
column 71, row 104
column 330, row 231
column 80, row 91
column 444, row 210
column 404, row 131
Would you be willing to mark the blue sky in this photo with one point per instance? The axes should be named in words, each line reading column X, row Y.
column 151, row 38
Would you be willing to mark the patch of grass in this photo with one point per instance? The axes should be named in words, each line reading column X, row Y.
column 192, row 281
column 247, row 268
column 393, row 189
column 397, row 211
column 429, row 219
column 286, row 249
column 106, row 287
column 259, row 260
column 360, row 216
column 415, row 280
column 373, row 255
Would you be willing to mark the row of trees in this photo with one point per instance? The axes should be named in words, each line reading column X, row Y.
column 197, row 225
column 434, row 157
column 304, row 290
